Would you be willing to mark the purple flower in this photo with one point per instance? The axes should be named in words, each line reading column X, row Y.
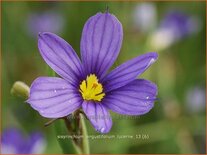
column 180, row 23
column 175, row 25
column 14, row 142
column 87, row 84
column 46, row 21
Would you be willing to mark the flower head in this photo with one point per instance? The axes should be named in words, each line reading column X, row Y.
column 91, row 90
column 86, row 84
column 14, row 142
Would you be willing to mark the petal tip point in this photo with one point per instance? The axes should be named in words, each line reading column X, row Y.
column 154, row 56
column 102, row 130
column 28, row 100
column 40, row 34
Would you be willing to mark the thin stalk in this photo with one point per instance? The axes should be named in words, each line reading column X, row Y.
column 85, row 142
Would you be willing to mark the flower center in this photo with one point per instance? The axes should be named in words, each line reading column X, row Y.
column 90, row 89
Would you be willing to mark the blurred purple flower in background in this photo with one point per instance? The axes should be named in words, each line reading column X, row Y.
column 14, row 142
column 46, row 21
column 180, row 24
column 173, row 27
column 196, row 99
column 145, row 17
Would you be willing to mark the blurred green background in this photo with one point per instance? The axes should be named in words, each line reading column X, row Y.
column 177, row 122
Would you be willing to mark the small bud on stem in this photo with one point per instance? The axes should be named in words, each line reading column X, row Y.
column 20, row 89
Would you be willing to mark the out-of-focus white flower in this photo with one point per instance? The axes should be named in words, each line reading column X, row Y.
column 161, row 39
column 196, row 99
column 145, row 16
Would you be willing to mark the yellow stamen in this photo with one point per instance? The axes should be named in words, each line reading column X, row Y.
column 90, row 89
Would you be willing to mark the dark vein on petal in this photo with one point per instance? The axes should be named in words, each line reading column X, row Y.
column 63, row 72
column 56, row 96
column 60, row 103
column 124, row 102
column 85, row 42
column 120, row 77
column 60, row 113
column 72, row 105
column 60, row 58
column 116, row 73
column 52, row 89
column 95, row 112
column 130, row 111
column 105, row 54
column 85, row 57
column 137, row 89
column 121, row 108
column 113, row 57
column 104, row 114
column 94, row 26
column 100, row 46
column 70, row 57
column 119, row 92
column 86, row 107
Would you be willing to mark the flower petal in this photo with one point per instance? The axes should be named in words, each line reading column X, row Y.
column 136, row 98
column 98, row 116
column 128, row 71
column 53, row 97
column 60, row 56
column 100, row 43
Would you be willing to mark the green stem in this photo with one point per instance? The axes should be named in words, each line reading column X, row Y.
column 66, row 144
column 85, row 142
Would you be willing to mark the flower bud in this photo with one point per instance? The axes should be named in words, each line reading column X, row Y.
column 20, row 89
